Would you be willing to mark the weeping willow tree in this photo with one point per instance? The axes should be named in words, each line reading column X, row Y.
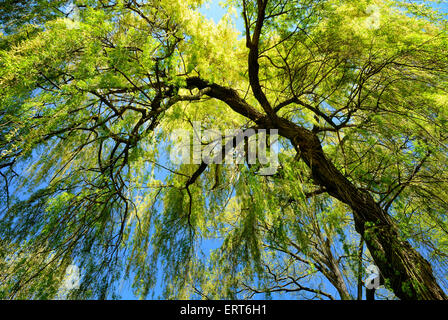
column 92, row 91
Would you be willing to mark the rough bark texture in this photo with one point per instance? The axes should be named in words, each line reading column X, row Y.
column 409, row 275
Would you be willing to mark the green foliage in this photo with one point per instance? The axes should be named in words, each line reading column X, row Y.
column 87, row 107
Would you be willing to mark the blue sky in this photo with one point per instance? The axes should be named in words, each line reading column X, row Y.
column 213, row 10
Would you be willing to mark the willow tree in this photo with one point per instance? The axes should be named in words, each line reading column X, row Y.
column 89, row 100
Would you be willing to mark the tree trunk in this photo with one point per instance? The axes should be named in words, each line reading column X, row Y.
column 409, row 275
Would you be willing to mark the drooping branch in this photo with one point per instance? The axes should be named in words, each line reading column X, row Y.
column 410, row 275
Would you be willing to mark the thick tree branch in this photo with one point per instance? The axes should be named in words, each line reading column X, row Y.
column 371, row 221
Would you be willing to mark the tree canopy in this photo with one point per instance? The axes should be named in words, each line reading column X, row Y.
column 91, row 93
